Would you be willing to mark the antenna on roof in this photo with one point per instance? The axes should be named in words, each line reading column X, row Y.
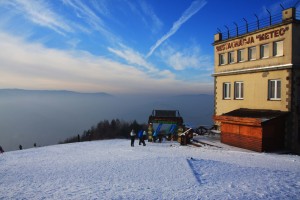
column 257, row 21
column 281, row 6
column 270, row 17
column 246, row 25
column 227, row 31
column 237, row 29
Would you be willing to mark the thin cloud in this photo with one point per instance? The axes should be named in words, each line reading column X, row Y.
column 186, row 58
column 136, row 59
column 40, row 13
column 101, row 7
column 148, row 11
column 144, row 12
column 132, row 57
column 86, row 13
column 188, row 13
column 32, row 67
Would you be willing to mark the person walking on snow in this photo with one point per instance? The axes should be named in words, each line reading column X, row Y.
column 132, row 137
column 154, row 136
column 1, row 150
column 140, row 136
column 144, row 137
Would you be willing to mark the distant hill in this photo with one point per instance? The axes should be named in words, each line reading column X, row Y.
column 48, row 92
column 194, row 95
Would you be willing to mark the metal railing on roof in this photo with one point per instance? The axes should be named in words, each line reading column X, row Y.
column 250, row 27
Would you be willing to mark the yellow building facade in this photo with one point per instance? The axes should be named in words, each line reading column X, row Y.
column 260, row 70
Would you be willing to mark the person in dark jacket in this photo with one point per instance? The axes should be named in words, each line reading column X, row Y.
column 1, row 150
column 155, row 136
column 132, row 137
column 142, row 136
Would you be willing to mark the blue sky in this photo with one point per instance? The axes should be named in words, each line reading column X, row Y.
column 117, row 46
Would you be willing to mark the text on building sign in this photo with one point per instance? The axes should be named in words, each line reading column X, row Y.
column 251, row 39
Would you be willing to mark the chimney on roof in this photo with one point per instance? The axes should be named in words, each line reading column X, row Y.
column 218, row 37
column 289, row 14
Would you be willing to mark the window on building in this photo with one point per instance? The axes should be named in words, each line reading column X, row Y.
column 222, row 59
column 278, row 48
column 252, row 53
column 226, row 90
column 231, row 57
column 264, row 51
column 241, row 56
column 274, row 90
column 238, row 90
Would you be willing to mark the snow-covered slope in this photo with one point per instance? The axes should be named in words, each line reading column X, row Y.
column 112, row 169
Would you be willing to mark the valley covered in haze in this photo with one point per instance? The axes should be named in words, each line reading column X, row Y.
column 47, row 117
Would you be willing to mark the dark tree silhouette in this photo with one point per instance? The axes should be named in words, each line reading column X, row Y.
column 107, row 130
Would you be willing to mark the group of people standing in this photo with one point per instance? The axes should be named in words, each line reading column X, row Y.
column 141, row 135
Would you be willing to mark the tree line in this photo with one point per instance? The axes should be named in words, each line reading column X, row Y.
column 107, row 130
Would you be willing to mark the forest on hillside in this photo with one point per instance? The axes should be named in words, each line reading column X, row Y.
column 107, row 130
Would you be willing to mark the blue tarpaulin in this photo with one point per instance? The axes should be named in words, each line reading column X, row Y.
column 157, row 130
column 172, row 128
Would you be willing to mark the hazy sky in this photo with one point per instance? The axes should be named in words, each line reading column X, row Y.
column 117, row 46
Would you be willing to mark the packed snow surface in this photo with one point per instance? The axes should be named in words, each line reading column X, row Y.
column 112, row 169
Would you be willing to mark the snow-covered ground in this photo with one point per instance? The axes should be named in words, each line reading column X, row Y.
column 112, row 169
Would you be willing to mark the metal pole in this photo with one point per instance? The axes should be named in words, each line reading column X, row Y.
column 270, row 17
column 237, row 29
column 281, row 6
column 257, row 21
column 246, row 25
column 227, row 31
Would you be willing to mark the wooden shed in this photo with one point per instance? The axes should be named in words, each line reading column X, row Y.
column 257, row 130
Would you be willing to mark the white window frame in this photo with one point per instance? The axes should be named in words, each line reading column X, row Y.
column 239, row 90
column 226, row 90
column 222, row 55
column 274, row 89
column 231, row 57
column 250, row 53
column 276, row 48
column 263, row 51
column 241, row 55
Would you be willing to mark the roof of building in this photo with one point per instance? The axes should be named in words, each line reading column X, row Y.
column 165, row 113
column 255, row 113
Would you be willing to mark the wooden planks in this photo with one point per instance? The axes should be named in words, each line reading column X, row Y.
column 252, row 133
column 242, row 141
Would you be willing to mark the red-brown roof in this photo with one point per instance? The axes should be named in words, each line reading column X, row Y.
column 255, row 113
